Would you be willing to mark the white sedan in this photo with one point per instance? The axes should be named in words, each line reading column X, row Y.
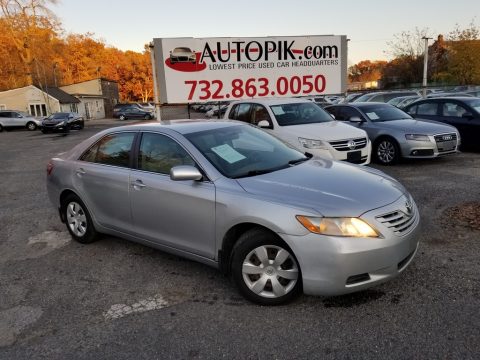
column 305, row 126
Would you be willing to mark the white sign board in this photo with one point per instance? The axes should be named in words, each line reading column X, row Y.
column 218, row 69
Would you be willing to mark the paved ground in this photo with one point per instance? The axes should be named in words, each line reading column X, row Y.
column 118, row 300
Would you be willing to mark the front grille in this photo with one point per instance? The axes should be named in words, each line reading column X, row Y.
column 399, row 221
column 445, row 137
column 343, row 145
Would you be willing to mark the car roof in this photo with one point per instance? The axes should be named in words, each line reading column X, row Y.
column 273, row 101
column 182, row 126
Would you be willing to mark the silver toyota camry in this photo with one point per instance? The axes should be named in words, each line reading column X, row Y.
column 231, row 196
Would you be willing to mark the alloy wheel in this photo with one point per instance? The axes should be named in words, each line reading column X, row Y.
column 386, row 151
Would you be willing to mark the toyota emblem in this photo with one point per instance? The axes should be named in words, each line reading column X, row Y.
column 409, row 207
column 351, row 144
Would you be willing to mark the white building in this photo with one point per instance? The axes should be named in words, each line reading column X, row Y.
column 37, row 102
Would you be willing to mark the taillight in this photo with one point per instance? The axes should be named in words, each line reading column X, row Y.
column 49, row 167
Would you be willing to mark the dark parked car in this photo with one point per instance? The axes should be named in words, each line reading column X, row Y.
column 62, row 121
column 461, row 112
column 133, row 112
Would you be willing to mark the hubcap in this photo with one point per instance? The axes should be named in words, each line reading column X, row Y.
column 31, row 126
column 270, row 271
column 76, row 219
column 386, row 151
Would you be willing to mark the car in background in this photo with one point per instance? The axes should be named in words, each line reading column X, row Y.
column 383, row 96
column 182, row 54
column 402, row 101
column 395, row 134
column 448, row 94
column 62, row 121
column 350, row 97
column 134, row 112
column 218, row 111
column 461, row 112
column 305, row 126
column 10, row 119
column 120, row 106
column 233, row 197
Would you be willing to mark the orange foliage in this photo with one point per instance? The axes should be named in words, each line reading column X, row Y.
column 39, row 54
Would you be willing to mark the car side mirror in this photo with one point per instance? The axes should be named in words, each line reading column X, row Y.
column 185, row 172
column 355, row 119
column 264, row 124
column 333, row 116
column 467, row 115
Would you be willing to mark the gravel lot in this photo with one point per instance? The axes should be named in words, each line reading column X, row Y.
column 118, row 300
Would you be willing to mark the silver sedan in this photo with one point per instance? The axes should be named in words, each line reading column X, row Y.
column 231, row 196
column 395, row 134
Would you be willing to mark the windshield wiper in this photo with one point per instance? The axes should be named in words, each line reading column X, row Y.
column 259, row 172
column 297, row 161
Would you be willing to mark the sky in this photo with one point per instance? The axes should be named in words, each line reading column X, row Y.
column 369, row 24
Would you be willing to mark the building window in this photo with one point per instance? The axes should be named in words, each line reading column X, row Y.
column 74, row 108
column 3, row 107
column 38, row 110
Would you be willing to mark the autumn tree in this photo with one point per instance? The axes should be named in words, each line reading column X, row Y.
column 29, row 25
column 366, row 70
column 464, row 54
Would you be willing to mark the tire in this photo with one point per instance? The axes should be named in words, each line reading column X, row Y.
column 78, row 220
column 123, row 117
column 81, row 126
column 67, row 129
column 265, row 256
column 31, row 126
column 387, row 151
column 1, row 128
column 147, row 117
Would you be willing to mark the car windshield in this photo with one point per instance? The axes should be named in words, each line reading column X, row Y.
column 182, row 49
column 300, row 113
column 242, row 151
column 380, row 112
column 58, row 116
column 364, row 97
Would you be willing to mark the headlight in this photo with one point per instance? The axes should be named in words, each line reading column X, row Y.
column 351, row 227
column 313, row 144
column 417, row 137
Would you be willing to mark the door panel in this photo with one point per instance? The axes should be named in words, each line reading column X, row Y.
column 180, row 214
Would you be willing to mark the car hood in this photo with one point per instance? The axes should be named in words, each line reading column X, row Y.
column 330, row 131
column 415, row 126
column 53, row 121
column 331, row 188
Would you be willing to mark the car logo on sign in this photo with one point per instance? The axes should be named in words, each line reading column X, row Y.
column 352, row 145
column 447, row 137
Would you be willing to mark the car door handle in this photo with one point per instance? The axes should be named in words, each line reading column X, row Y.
column 138, row 184
column 81, row 172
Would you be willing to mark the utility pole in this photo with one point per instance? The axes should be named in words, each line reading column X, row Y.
column 425, row 66
column 156, row 95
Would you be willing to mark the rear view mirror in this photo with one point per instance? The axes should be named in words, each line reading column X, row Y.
column 355, row 119
column 185, row 172
column 264, row 124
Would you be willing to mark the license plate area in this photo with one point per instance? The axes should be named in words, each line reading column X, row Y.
column 354, row 156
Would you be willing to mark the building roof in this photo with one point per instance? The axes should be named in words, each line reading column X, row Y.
column 61, row 95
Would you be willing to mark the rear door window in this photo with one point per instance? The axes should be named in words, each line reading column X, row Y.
column 451, row 109
column 113, row 149
column 427, row 109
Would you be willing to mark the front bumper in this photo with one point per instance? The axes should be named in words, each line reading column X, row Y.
column 429, row 149
column 339, row 265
